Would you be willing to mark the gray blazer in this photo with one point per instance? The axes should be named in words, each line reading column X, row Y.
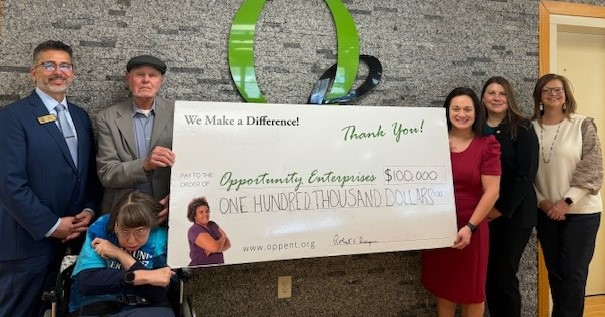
column 118, row 167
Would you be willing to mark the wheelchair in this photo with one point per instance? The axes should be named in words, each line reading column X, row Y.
column 58, row 297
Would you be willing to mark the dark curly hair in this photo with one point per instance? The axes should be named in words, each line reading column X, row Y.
column 197, row 202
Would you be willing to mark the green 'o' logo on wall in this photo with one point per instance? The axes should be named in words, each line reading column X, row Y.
column 338, row 79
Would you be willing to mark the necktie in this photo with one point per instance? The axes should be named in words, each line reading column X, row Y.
column 68, row 132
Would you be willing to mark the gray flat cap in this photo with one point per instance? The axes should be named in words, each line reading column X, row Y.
column 146, row 60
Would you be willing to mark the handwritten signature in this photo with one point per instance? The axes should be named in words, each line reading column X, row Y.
column 338, row 240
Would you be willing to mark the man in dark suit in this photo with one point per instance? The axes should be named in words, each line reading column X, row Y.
column 48, row 187
column 135, row 137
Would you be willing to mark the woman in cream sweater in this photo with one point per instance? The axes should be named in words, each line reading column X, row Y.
column 570, row 174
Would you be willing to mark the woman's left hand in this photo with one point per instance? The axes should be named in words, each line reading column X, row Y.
column 463, row 238
column 158, row 277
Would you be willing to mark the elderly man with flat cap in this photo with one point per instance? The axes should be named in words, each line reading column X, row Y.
column 135, row 137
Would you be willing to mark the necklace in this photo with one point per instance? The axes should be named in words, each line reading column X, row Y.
column 457, row 144
column 552, row 145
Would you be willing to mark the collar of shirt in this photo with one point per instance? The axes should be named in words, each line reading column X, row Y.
column 136, row 109
column 49, row 102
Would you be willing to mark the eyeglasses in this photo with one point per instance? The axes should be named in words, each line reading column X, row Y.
column 139, row 233
column 554, row 90
column 52, row 66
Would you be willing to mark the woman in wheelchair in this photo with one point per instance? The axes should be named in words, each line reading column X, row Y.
column 121, row 270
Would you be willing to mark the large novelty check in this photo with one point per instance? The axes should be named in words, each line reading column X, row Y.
column 296, row 181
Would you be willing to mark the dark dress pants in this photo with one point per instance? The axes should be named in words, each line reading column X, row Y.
column 21, row 285
column 506, row 247
column 568, row 248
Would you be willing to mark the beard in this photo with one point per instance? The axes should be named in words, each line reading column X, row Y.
column 48, row 86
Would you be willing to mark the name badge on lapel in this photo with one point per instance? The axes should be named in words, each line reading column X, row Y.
column 47, row 119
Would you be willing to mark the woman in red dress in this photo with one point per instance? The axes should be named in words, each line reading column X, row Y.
column 456, row 275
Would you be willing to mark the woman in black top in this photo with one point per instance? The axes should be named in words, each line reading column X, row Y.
column 515, row 213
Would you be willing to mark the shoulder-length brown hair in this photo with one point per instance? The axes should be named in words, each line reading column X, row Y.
column 570, row 102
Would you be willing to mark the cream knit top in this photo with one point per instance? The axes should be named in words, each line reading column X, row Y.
column 570, row 164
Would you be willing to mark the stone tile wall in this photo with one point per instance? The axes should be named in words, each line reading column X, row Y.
column 426, row 47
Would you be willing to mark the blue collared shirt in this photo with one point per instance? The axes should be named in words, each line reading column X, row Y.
column 143, row 128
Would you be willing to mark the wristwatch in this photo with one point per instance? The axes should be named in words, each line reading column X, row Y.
column 472, row 227
column 129, row 277
column 568, row 201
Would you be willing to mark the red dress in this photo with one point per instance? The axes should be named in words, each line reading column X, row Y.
column 459, row 275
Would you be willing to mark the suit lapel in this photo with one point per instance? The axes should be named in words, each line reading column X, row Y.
column 39, row 109
column 162, row 118
column 125, row 126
